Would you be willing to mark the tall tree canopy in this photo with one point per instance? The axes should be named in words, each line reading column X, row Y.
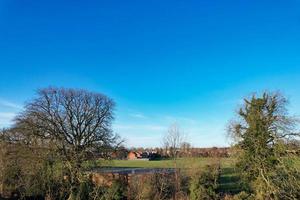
column 76, row 119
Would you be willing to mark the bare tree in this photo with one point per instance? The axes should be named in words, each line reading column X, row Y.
column 172, row 142
column 185, row 148
column 77, row 121
column 173, row 139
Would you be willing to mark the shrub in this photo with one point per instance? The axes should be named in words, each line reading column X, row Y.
column 157, row 186
column 203, row 185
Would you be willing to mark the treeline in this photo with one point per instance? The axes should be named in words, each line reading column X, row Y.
column 185, row 150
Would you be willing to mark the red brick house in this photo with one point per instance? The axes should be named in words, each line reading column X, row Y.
column 132, row 155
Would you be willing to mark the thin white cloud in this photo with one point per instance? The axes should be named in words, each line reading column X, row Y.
column 10, row 104
column 148, row 127
column 138, row 115
column 204, row 134
column 6, row 118
column 200, row 133
column 208, row 134
column 152, row 141
column 180, row 120
column 138, row 135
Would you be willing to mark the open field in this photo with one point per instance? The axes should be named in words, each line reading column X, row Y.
column 181, row 163
column 228, row 180
column 168, row 163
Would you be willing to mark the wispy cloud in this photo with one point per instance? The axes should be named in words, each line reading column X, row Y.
column 6, row 118
column 141, row 134
column 148, row 127
column 138, row 115
column 10, row 104
column 183, row 120
column 152, row 141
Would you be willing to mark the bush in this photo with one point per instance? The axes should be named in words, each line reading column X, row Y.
column 30, row 172
column 157, row 186
column 203, row 185
column 240, row 196
column 117, row 191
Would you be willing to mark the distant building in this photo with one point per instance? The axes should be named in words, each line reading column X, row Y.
column 133, row 155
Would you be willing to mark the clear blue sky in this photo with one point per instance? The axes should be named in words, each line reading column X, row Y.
column 161, row 61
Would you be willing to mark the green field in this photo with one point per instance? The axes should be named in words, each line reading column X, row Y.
column 181, row 163
column 228, row 180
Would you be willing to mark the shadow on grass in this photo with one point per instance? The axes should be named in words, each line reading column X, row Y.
column 229, row 181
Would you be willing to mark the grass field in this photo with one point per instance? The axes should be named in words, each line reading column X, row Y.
column 168, row 163
column 228, row 180
column 181, row 163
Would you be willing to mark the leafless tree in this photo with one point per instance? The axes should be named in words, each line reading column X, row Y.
column 77, row 121
column 185, row 148
column 172, row 142
column 173, row 139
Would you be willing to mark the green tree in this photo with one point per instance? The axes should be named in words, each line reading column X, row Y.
column 261, row 135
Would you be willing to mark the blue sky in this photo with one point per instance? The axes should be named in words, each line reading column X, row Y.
column 189, row 62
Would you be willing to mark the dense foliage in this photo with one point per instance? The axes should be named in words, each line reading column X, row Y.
column 262, row 135
column 204, row 184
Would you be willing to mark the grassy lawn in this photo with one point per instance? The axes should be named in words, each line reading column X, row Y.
column 181, row 163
